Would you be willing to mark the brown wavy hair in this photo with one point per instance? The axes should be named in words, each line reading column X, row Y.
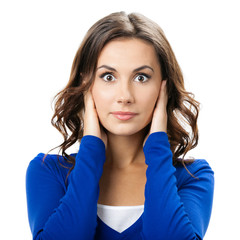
column 182, row 109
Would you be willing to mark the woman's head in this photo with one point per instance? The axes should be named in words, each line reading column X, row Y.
column 127, row 79
column 116, row 31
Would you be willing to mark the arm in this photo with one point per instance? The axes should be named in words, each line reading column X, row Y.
column 172, row 213
column 55, row 213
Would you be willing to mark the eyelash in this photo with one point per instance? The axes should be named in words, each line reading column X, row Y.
column 105, row 74
column 139, row 74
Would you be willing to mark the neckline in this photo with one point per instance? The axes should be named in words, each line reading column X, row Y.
column 105, row 230
column 115, row 207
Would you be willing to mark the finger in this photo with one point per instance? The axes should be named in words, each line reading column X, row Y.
column 163, row 96
column 91, row 122
column 145, row 139
column 103, row 135
column 159, row 121
column 88, row 99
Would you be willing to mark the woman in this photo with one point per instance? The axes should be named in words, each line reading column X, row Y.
column 125, row 101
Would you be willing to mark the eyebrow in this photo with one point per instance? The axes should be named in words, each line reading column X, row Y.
column 135, row 70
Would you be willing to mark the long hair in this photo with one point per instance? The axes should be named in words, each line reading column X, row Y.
column 182, row 109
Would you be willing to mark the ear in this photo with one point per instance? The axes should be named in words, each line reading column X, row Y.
column 82, row 78
column 82, row 113
column 84, row 82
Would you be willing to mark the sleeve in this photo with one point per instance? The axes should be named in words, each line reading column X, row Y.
column 172, row 213
column 72, row 214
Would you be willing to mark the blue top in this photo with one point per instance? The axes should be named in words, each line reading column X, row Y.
column 177, row 206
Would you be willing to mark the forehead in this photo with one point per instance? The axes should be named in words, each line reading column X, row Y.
column 128, row 51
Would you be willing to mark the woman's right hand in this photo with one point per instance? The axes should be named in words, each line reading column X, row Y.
column 92, row 125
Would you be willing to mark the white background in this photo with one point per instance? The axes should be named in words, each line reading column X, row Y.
column 37, row 45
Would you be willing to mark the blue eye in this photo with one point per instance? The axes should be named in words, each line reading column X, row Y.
column 108, row 77
column 142, row 78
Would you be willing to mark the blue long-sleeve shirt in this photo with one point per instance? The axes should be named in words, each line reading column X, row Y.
column 177, row 206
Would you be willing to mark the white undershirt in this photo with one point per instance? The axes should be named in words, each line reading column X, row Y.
column 119, row 218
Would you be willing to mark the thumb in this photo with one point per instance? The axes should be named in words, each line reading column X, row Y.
column 145, row 139
column 91, row 122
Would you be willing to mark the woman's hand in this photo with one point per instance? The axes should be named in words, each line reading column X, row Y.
column 91, row 120
column 159, row 119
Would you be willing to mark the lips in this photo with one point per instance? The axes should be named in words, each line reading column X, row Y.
column 124, row 115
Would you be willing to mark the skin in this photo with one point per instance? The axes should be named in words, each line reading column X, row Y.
column 122, row 89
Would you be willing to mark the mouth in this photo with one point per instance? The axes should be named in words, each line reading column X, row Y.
column 124, row 115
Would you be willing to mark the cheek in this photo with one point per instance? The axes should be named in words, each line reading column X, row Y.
column 101, row 98
column 149, row 101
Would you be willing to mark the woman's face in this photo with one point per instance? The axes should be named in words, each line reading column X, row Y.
column 128, row 79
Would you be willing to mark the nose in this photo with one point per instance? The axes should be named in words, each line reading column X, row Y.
column 125, row 93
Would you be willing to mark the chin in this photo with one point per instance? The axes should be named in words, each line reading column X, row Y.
column 126, row 130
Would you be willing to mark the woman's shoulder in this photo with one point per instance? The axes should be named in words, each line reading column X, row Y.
column 48, row 160
column 200, row 164
column 192, row 164
column 196, row 169
column 49, row 164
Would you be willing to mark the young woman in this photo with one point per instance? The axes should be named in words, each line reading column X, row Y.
column 126, row 104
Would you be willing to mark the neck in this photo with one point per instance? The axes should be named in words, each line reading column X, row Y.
column 125, row 151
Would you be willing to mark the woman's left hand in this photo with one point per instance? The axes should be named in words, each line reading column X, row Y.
column 159, row 119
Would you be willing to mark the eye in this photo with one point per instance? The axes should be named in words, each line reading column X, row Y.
column 142, row 78
column 108, row 77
